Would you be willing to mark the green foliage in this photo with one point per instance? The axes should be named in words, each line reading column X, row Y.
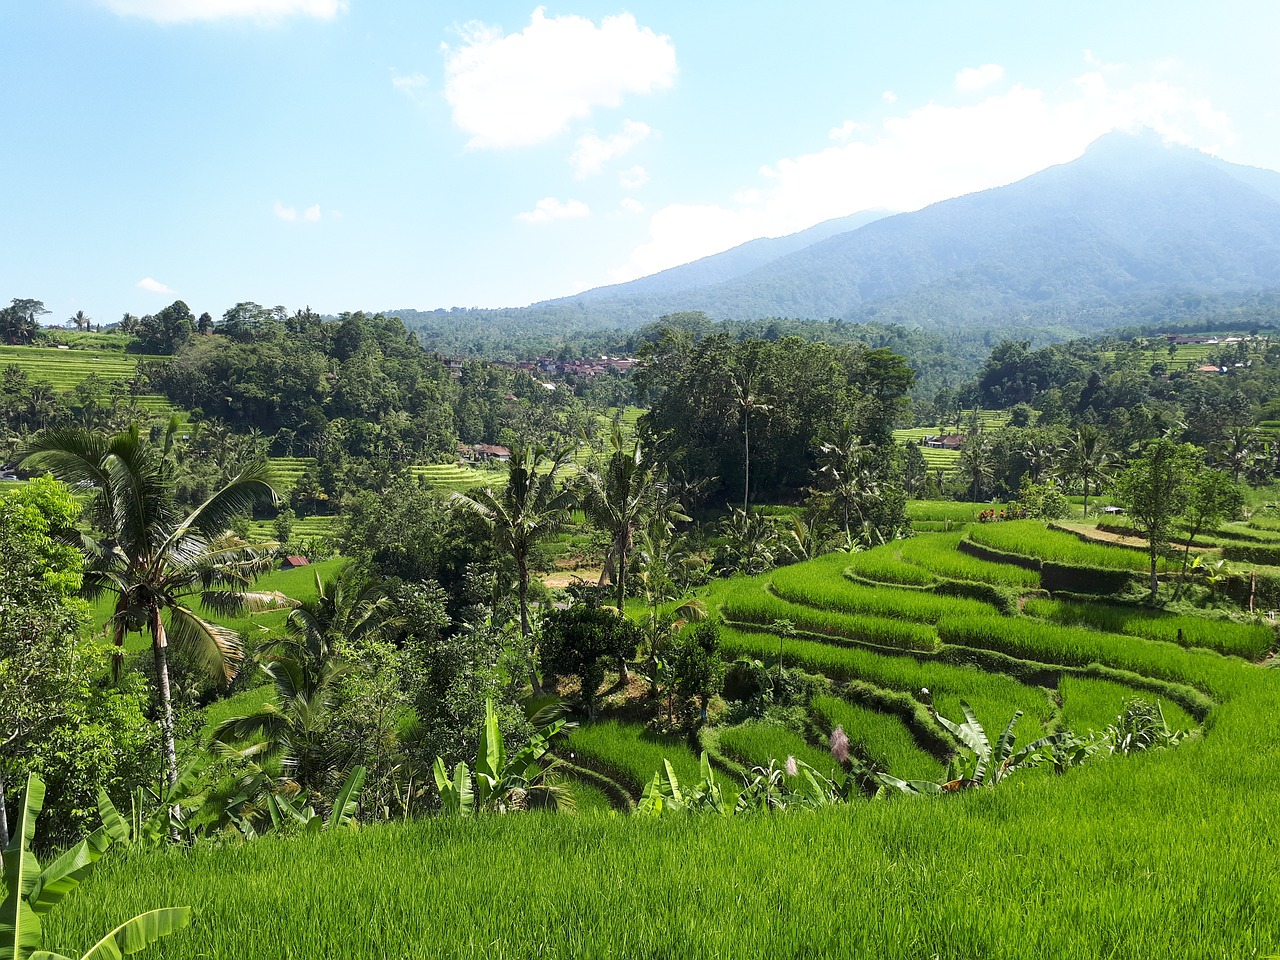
column 582, row 641
column 1030, row 538
column 524, row 780
column 880, row 739
column 30, row 892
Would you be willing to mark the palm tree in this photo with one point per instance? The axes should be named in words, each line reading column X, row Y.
column 81, row 320
column 1086, row 460
column 978, row 464
column 529, row 509
column 342, row 613
column 155, row 560
column 627, row 494
column 747, row 399
column 1237, row 450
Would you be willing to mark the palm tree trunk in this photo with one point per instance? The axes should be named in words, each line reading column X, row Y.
column 746, row 464
column 4, row 815
column 160, row 647
column 624, row 672
column 522, row 587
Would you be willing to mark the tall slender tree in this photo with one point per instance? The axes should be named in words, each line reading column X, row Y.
column 1085, row 458
column 157, row 562
column 529, row 509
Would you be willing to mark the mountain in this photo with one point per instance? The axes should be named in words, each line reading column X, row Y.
column 1135, row 231
column 1129, row 220
column 722, row 267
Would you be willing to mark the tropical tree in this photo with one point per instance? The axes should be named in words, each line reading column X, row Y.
column 1084, row 458
column 528, row 510
column 625, row 495
column 748, row 401
column 81, row 320
column 154, row 560
column 19, row 322
column 1212, row 498
column 1154, row 488
column 1237, row 450
column 978, row 466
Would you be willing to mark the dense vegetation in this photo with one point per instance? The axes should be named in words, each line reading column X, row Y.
column 797, row 696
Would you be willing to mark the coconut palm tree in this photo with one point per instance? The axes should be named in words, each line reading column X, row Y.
column 748, row 401
column 81, row 320
column 622, row 498
column 1086, row 459
column 529, row 509
column 158, row 563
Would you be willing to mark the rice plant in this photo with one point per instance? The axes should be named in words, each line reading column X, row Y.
column 881, row 738
column 1251, row 641
column 755, row 743
column 1093, row 705
column 1031, row 538
column 630, row 753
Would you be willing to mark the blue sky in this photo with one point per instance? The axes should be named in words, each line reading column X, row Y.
column 369, row 154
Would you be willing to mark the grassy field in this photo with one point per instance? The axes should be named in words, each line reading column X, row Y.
column 1169, row 854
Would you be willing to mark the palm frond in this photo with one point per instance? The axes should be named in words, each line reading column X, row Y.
column 214, row 647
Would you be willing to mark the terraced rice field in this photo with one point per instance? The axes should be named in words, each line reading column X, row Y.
column 863, row 621
column 66, row 369
column 458, row 477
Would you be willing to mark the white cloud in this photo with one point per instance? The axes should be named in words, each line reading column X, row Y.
column 523, row 88
column 889, row 97
column 845, row 131
column 924, row 155
column 311, row 214
column 971, row 79
column 631, row 205
column 549, row 208
column 182, row 11
column 410, row 84
column 591, row 153
column 633, row 178
column 152, row 285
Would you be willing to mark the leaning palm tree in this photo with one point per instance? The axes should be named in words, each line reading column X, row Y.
column 158, row 563
column 529, row 509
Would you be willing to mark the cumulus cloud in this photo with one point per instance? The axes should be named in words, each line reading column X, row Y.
column 971, row 79
column 889, row 97
column 311, row 214
column 591, row 153
column 631, row 205
column 152, row 285
column 927, row 154
column 845, row 131
column 182, row 11
column 514, row 90
column 633, row 178
column 550, row 208
column 410, row 84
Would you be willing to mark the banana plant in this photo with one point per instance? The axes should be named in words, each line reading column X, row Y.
column 503, row 783
column 31, row 892
column 154, row 817
column 663, row 794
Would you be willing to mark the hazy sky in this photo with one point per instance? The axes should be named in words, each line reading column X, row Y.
column 372, row 154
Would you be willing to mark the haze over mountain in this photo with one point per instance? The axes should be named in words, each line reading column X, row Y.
column 1135, row 230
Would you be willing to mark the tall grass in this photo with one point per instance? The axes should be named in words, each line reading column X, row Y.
column 879, row 737
column 1164, row 855
column 1248, row 640
column 885, row 565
